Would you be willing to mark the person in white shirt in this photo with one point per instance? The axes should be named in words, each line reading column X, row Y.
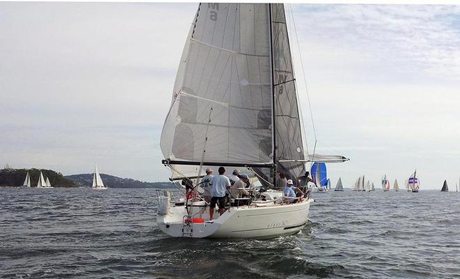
column 220, row 185
column 238, row 190
column 234, row 177
column 206, row 182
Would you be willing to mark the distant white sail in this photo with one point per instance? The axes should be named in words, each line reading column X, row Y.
column 339, row 186
column 372, row 187
column 27, row 181
column 97, row 180
column 48, row 184
column 367, row 187
column 395, row 185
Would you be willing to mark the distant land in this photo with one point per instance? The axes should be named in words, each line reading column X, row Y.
column 15, row 178
column 86, row 180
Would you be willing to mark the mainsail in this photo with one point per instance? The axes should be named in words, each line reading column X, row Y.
column 445, row 188
column 339, row 186
column 234, row 100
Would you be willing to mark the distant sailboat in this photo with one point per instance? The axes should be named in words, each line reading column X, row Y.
column 97, row 181
column 339, row 186
column 355, row 186
column 367, row 187
column 456, row 187
column 48, row 184
column 27, row 181
column 361, row 183
column 41, row 181
column 445, row 188
column 372, row 187
column 385, row 183
column 395, row 185
column 328, row 184
column 414, row 182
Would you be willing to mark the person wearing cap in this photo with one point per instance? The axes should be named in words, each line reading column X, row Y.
column 234, row 177
column 207, row 185
column 220, row 184
column 238, row 190
column 289, row 194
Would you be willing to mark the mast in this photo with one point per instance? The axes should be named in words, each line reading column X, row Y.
column 272, row 78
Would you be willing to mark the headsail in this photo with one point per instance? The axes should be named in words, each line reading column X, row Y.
column 48, row 184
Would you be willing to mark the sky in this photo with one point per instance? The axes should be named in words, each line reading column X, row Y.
column 91, row 83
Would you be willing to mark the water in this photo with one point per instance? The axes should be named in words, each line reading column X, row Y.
column 80, row 233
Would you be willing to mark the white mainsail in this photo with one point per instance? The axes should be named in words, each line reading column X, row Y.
column 97, row 180
column 27, row 181
column 372, row 187
column 396, row 186
column 339, row 186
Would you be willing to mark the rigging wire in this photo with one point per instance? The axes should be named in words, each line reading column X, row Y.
column 303, row 72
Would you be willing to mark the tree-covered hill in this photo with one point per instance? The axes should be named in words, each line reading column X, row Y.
column 86, row 180
column 16, row 177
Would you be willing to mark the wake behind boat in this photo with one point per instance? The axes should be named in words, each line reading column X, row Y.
column 235, row 104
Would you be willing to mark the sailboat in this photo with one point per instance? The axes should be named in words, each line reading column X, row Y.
column 356, row 185
column 42, row 182
column 48, row 184
column 98, row 184
column 396, row 185
column 367, row 187
column 235, row 105
column 372, row 187
column 445, row 188
column 339, row 186
column 413, row 182
column 319, row 174
column 361, row 183
column 27, row 181
column 385, row 183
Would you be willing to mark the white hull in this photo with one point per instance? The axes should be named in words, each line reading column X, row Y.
column 239, row 222
column 100, row 188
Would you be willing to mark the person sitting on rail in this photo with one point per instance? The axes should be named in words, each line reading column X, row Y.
column 289, row 195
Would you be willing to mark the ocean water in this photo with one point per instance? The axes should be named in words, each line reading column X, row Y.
column 80, row 233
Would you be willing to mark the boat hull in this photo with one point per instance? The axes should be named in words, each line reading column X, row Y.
column 239, row 222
